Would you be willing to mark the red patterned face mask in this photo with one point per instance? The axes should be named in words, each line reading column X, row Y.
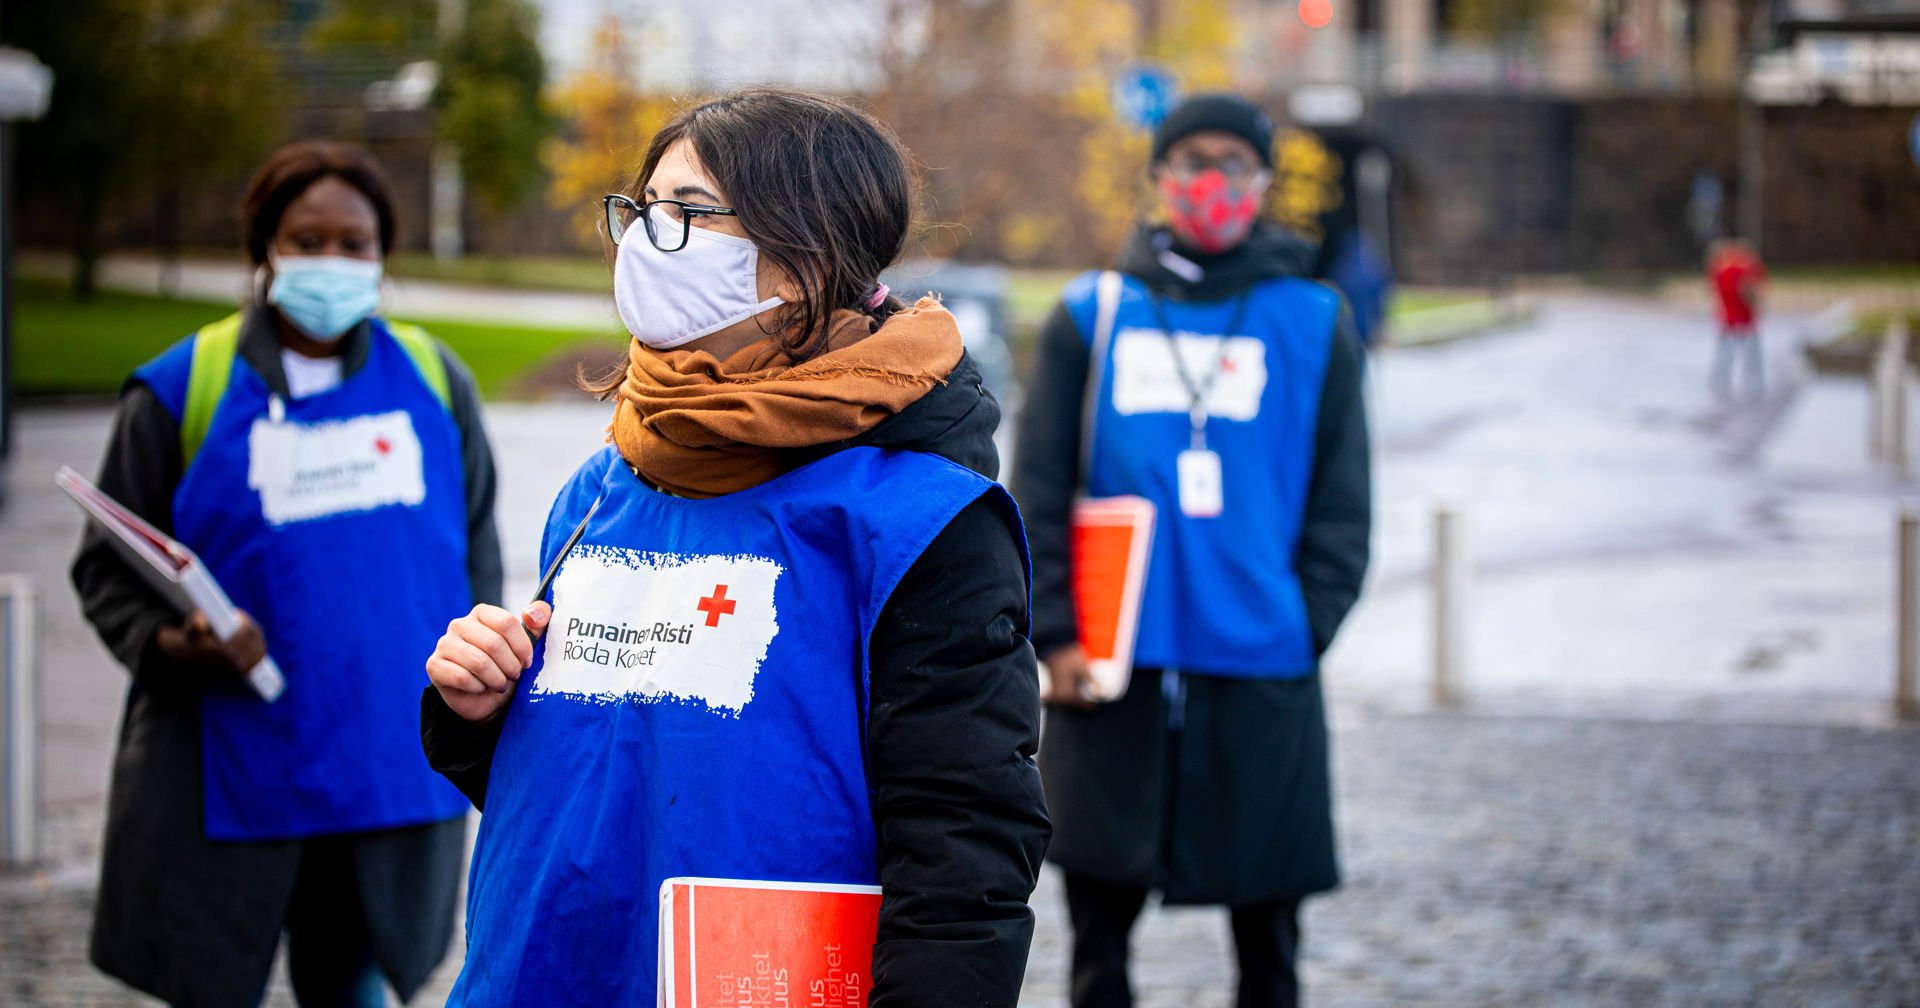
column 1208, row 212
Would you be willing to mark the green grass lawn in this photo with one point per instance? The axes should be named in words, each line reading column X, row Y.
column 1409, row 300
column 62, row 347
column 1871, row 327
column 1860, row 273
column 1031, row 294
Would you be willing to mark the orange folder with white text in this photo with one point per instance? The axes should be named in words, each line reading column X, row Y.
column 1112, row 538
column 728, row 942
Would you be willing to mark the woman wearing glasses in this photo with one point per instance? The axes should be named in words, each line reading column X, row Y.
column 790, row 641
column 312, row 454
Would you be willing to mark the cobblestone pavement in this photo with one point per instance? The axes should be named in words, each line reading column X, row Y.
column 1489, row 861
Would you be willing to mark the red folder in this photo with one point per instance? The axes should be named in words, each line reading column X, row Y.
column 1112, row 538
column 729, row 942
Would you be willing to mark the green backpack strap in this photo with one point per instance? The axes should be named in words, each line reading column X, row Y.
column 214, row 347
column 426, row 358
column 216, row 344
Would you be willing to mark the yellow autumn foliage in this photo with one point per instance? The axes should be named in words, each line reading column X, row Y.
column 1089, row 43
column 1306, row 182
column 607, row 124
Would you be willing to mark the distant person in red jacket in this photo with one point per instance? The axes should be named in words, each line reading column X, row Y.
column 1738, row 279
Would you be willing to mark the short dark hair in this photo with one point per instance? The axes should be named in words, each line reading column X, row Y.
column 823, row 189
column 294, row 169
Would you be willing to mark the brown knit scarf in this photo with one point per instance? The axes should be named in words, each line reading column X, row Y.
column 697, row 426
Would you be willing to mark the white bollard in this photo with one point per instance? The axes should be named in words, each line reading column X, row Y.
column 19, row 721
column 1451, row 583
column 1906, row 662
column 446, row 189
column 1897, row 410
column 1888, row 381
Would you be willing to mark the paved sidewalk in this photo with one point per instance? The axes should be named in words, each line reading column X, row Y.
column 1639, row 549
column 1675, row 783
column 227, row 281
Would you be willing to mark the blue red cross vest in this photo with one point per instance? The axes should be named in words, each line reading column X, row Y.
column 339, row 522
column 697, row 707
column 1222, row 596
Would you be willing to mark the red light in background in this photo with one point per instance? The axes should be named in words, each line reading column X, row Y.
column 1316, row 13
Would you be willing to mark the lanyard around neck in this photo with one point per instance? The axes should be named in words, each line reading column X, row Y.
column 1199, row 390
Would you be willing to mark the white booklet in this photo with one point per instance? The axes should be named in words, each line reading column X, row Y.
column 172, row 569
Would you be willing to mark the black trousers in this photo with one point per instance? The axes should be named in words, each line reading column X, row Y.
column 330, row 961
column 1266, row 939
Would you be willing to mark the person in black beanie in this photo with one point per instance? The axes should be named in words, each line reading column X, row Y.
column 1208, row 376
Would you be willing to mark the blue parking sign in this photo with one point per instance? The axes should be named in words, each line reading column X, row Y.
column 1143, row 94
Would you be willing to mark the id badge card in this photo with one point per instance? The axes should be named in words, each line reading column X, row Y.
column 1200, row 490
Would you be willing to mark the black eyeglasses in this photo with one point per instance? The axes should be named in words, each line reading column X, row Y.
column 622, row 211
column 1238, row 170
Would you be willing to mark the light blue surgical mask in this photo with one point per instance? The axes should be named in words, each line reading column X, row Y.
column 324, row 296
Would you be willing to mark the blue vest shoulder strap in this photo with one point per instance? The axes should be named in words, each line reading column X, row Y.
column 191, row 377
column 1079, row 296
column 166, row 375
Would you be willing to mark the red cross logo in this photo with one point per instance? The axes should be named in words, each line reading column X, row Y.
column 717, row 605
column 1226, row 365
column 382, row 445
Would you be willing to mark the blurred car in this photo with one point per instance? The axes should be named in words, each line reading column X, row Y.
column 976, row 294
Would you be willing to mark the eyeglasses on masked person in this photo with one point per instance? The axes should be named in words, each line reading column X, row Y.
column 668, row 228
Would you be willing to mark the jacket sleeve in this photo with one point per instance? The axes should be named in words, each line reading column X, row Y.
column 485, row 570
column 952, row 731
column 141, row 469
column 456, row 748
column 1046, row 473
column 1334, row 550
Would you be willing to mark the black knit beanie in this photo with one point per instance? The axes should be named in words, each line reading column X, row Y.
column 1226, row 112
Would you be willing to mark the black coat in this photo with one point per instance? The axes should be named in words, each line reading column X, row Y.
column 196, row 922
column 953, row 720
column 1221, row 793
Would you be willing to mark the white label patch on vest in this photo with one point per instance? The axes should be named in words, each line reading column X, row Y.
column 308, row 471
column 657, row 626
column 1146, row 379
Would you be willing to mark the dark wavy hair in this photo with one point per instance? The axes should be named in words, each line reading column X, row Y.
column 823, row 189
column 294, row 169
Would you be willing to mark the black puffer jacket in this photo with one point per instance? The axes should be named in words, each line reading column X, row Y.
column 963, row 824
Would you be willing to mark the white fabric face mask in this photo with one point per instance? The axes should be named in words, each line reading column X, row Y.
column 668, row 299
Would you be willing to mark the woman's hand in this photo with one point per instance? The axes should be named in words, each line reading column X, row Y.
column 1070, row 681
column 480, row 657
column 195, row 643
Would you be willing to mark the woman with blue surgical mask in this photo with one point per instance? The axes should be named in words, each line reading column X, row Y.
column 786, row 639
column 314, row 456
